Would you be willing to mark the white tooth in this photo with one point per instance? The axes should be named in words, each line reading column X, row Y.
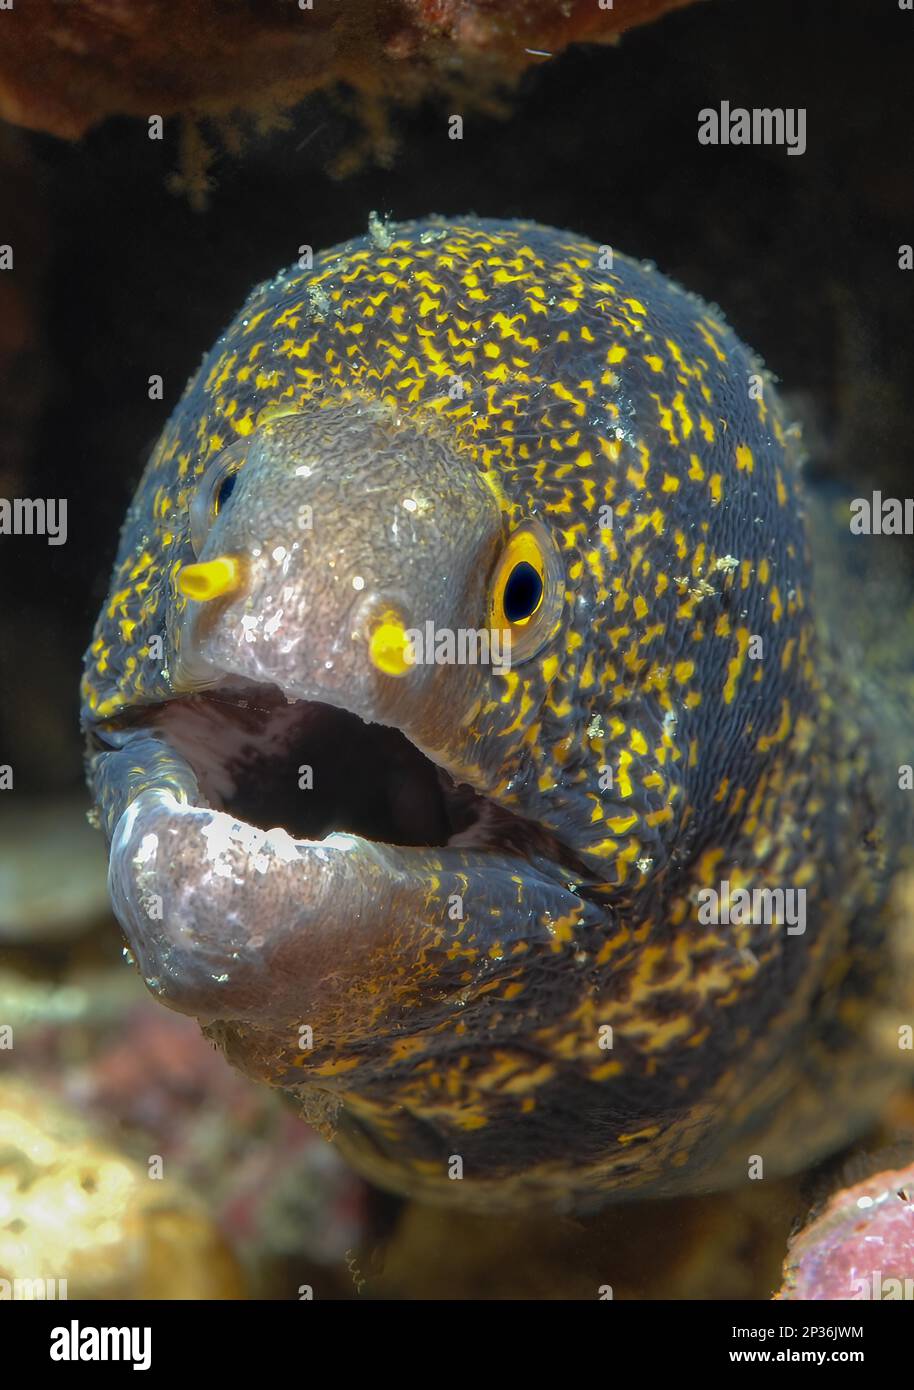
column 281, row 845
column 147, row 849
column 338, row 840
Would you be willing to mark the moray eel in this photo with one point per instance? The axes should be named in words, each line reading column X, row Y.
column 454, row 904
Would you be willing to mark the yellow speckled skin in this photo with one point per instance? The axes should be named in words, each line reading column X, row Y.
column 687, row 660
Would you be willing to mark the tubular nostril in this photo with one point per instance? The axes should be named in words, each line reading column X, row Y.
column 380, row 621
column 389, row 647
column 209, row 579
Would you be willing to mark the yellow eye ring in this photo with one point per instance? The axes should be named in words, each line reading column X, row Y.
column 527, row 590
column 520, row 581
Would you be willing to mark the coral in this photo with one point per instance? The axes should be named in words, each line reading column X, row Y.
column 284, row 1202
column 64, row 68
column 74, row 1208
column 860, row 1246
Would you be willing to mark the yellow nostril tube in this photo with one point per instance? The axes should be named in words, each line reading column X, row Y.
column 210, row 579
column 389, row 647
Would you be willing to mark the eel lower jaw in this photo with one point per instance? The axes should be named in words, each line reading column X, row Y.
column 397, row 869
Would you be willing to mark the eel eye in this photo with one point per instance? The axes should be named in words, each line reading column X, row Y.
column 523, row 592
column 225, row 490
column 527, row 590
column 214, row 490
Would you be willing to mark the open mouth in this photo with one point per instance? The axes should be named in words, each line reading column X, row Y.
column 274, row 860
column 314, row 769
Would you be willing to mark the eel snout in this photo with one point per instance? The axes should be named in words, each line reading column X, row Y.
column 344, row 531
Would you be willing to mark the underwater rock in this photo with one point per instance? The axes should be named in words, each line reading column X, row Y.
column 287, row 1205
column 64, row 68
column 36, row 905
column 75, row 1208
